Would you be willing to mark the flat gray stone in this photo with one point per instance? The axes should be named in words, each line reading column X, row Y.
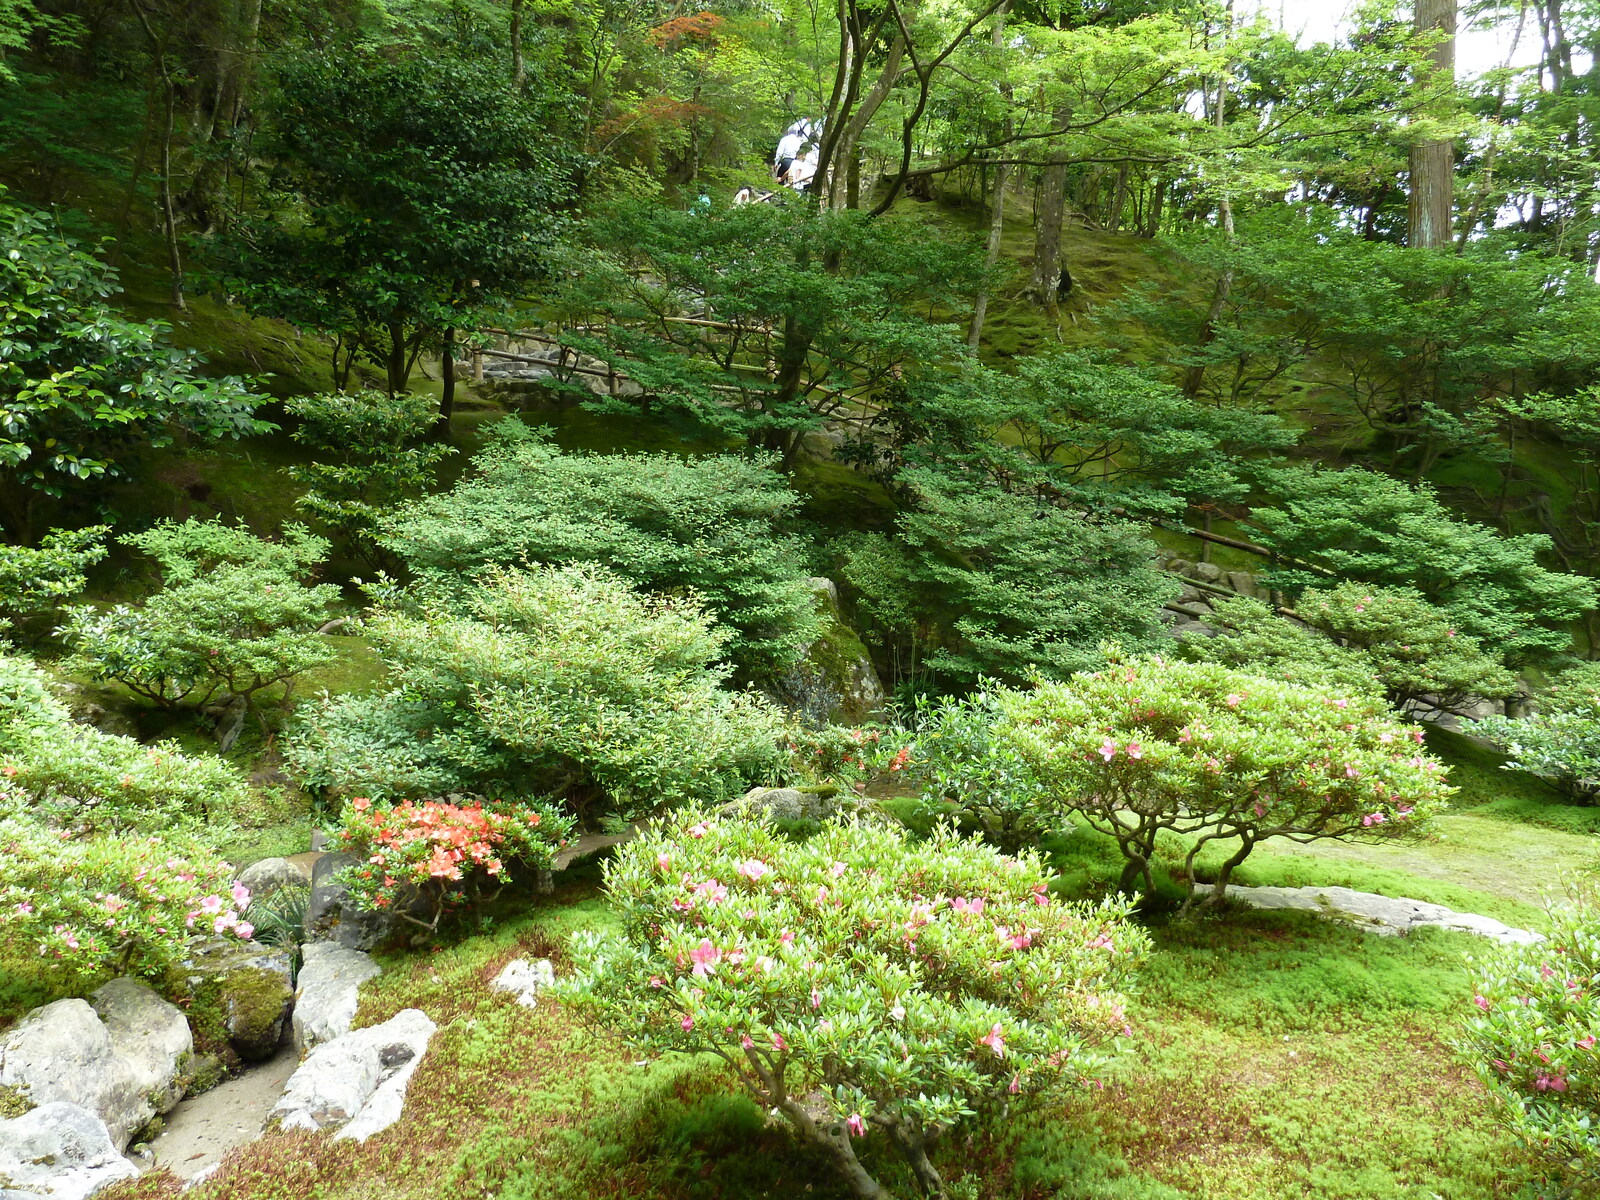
column 325, row 1003
column 269, row 875
column 1371, row 913
column 356, row 1083
column 59, row 1150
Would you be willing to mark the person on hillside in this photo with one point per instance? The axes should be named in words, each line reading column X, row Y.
column 789, row 146
column 803, row 170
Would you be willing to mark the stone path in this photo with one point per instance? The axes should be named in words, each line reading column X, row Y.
column 1371, row 913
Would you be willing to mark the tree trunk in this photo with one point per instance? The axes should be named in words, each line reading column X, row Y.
column 447, row 396
column 1432, row 200
column 997, row 204
column 518, row 68
column 1047, row 225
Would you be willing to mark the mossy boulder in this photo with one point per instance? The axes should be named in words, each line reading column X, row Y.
column 243, row 994
column 834, row 683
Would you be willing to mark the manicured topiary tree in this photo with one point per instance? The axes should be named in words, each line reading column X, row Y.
column 1534, row 1040
column 857, row 981
column 1150, row 745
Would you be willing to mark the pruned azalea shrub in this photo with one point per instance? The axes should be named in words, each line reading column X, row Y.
column 1148, row 745
column 858, row 982
column 92, row 905
column 1533, row 1036
column 424, row 860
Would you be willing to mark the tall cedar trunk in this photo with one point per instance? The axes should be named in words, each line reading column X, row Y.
column 1047, row 224
column 1433, row 161
column 997, row 204
column 1195, row 376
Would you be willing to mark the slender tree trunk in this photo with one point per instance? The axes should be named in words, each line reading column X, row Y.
column 997, row 203
column 1432, row 199
column 518, row 68
column 1047, row 225
column 447, row 397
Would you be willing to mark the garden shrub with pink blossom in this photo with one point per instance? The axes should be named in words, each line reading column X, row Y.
column 1148, row 746
column 858, row 982
column 424, row 859
column 1534, row 1040
column 88, row 906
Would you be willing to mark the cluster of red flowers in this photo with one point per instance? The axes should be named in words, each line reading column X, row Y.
column 418, row 842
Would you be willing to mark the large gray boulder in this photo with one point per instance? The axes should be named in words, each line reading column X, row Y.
column 151, row 1036
column 269, row 875
column 834, row 679
column 1372, row 913
column 325, row 1002
column 63, row 1053
column 333, row 915
column 356, row 1083
column 59, row 1150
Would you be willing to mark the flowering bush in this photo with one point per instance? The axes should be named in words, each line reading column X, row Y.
column 857, row 980
column 1148, row 745
column 90, row 905
column 842, row 754
column 424, row 859
column 1532, row 1039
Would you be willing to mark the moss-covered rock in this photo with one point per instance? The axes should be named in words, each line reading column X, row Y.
column 835, row 681
column 242, row 997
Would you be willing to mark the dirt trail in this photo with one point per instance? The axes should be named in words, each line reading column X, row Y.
column 205, row 1127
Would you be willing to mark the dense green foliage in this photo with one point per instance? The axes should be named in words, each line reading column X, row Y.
column 708, row 527
column 1532, row 1040
column 81, row 385
column 555, row 681
column 233, row 618
column 370, row 456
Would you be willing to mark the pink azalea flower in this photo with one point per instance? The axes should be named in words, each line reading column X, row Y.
column 1103, row 942
column 1386, row 738
column 786, row 937
column 816, row 998
column 687, row 1023
column 1108, row 749
column 245, row 930
column 225, row 921
column 1585, row 1043
column 1016, row 1084
column 663, row 862
column 656, row 981
column 855, row 1125
column 1135, row 750
column 699, row 831
column 241, row 896
column 747, row 1043
column 1233, row 699
column 1482, row 1002
column 1341, row 704
column 211, row 905
column 754, row 869
column 705, row 957
column 778, row 1043
column 837, row 869
column 995, row 1041
column 1351, row 772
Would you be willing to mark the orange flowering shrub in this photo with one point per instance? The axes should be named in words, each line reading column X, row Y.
column 423, row 859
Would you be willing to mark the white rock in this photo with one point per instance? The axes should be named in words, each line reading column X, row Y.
column 63, row 1053
column 151, row 1036
column 356, row 1083
column 1383, row 915
column 525, row 980
column 325, row 1002
column 60, row 1150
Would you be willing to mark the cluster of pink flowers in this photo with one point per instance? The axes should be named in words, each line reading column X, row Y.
column 222, row 917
